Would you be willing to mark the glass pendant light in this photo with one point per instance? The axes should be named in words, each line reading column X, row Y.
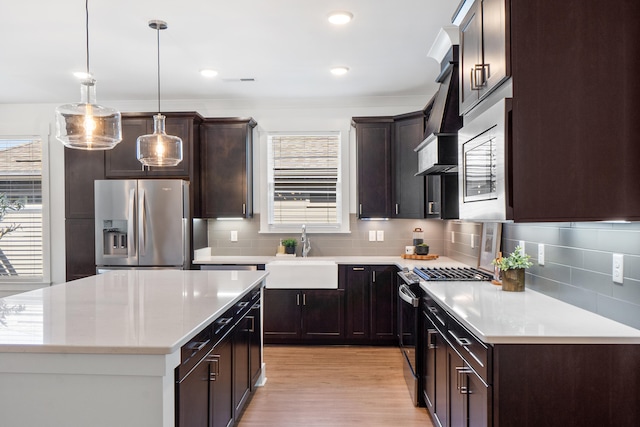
column 86, row 125
column 158, row 148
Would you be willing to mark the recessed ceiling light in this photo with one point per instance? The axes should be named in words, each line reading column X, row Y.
column 339, row 71
column 208, row 73
column 82, row 75
column 340, row 17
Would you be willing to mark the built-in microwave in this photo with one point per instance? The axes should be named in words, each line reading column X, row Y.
column 483, row 164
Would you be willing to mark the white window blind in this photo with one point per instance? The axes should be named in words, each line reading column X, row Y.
column 21, row 251
column 304, row 180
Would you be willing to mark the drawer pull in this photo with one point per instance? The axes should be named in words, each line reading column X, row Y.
column 461, row 341
column 197, row 346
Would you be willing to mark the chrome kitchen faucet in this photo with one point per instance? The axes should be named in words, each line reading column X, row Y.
column 306, row 243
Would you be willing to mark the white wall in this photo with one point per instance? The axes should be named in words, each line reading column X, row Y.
column 271, row 115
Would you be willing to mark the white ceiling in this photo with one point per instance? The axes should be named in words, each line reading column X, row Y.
column 287, row 46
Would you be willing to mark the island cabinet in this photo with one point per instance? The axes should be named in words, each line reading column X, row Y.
column 226, row 159
column 374, row 157
column 371, row 303
column 213, row 381
column 303, row 316
column 408, row 189
column 483, row 51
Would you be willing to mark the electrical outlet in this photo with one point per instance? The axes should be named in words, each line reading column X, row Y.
column 540, row 254
column 380, row 235
column 234, row 236
column 521, row 244
column 372, row 235
column 618, row 268
column 453, row 237
column 473, row 241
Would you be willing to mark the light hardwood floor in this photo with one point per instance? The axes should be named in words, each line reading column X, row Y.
column 315, row 386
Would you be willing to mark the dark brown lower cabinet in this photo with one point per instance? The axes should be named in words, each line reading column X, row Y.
column 468, row 396
column 221, row 402
column 215, row 377
column 434, row 372
column 371, row 303
column 309, row 315
column 467, row 383
column 193, row 398
column 255, row 343
column 80, row 248
column 241, row 339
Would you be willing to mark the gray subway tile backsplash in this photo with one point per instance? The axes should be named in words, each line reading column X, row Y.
column 578, row 256
column 585, row 251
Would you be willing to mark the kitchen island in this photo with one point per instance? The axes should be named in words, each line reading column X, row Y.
column 102, row 351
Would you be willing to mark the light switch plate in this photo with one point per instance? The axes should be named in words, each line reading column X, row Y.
column 618, row 268
column 380, row 235
column 521, row 244
column 540, row 254
column 453, row 237
column 473, row 241
column 372, row 235
column 234, row 235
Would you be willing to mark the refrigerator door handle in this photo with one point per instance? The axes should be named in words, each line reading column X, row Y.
column 131, row 246
column 142, row 224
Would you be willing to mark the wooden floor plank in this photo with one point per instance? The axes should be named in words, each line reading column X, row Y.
column 333, row 386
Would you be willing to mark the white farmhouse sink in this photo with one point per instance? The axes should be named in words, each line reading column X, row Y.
column 302, row 274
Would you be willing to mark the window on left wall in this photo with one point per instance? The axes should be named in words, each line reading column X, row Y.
column 22, row 250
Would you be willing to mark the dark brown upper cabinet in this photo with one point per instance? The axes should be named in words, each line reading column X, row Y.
column 227, row 168
column 408, row 189
column 575, row 116
column 374, row 157
column 122, row 161
column 483, row 51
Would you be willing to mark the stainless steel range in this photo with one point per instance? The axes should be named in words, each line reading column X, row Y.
column 451, row 274
column 409, row 326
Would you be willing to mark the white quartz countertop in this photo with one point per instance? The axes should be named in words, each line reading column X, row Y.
column 366, row 260
column 529, row 317
column 121, row 312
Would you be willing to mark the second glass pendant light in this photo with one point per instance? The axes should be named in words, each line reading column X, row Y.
column 158, row 148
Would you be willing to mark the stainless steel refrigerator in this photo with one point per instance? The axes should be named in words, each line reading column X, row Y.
column 142, row 224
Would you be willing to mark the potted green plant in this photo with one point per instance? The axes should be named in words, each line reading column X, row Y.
column 512, row 269
column 290, row 245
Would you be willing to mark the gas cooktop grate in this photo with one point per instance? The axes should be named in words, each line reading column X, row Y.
column 451, row 274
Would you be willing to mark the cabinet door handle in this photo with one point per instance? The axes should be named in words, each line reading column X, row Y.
column 374, row 276
column 297, row 299
column 244, row 209
column 478, row 69
column 360, row 209
column 253, row 323
column 214, row 373
column 431, row 333
column 358, row 268
column 461, row 380
column 397, row 209
column 304, row 299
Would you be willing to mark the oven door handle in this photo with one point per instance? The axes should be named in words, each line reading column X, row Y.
column 407, row 296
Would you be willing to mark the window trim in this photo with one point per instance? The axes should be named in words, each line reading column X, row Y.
column 343, row 193
column 13, row 284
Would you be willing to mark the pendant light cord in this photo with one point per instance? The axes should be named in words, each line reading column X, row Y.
column 158, row 33
column 86, row 8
